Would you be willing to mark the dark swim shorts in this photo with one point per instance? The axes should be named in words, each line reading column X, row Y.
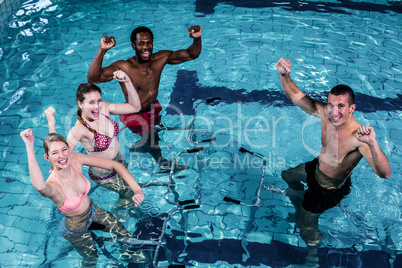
column 140, row 123
column 318, row 199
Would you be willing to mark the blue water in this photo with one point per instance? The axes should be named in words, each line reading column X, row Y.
column 45, row 52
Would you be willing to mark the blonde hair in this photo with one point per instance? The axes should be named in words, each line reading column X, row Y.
column 51, row 137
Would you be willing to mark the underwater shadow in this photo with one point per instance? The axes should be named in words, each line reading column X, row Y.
column 275, row 254
column 206, row 7
column 186, row 92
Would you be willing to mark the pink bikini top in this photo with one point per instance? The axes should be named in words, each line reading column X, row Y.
column 73, row 202
column 102, row 142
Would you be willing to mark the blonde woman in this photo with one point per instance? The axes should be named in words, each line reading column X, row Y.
column 68, row 189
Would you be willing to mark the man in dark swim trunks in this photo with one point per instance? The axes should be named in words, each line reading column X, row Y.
column 344, row 143
column 144, row 70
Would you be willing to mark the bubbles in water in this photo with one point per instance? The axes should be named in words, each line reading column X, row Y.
column 6, row 84
column 17, row 95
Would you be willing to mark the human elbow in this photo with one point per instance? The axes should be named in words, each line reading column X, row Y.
column 42, row 190
column 118, row 166
column 297, row 98
column 137, row 108
column 193, row 57
column 193, row 54
column 93, row 77
column 386, row 175
column 90, row 79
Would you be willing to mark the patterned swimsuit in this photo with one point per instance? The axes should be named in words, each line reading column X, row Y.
column 102, row 142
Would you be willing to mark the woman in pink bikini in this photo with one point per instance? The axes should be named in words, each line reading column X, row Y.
column 68, row 189
column 97, row 132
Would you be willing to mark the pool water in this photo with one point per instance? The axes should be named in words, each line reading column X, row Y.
column 47, row 47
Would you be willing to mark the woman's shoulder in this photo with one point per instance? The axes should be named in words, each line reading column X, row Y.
column 77, row 126
column 76, row 160
column 51, row 179
column 106, row 108
column 79, row 130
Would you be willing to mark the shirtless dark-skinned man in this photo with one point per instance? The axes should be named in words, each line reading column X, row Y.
column 144, row 69
column 344, row 143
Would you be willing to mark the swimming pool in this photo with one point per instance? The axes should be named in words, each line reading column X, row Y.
column 46, row 51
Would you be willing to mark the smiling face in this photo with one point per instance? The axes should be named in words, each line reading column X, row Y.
column 58, row 154
column 339, row 109
column 91, row 105
column 143, row 46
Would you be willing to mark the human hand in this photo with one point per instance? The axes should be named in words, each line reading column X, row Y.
column 121, row 76
column 50, row 112
column 138, row 197
column 365, row 134
column 195, row 31
column 283, row 66
column 107, row 42
column 27, row 136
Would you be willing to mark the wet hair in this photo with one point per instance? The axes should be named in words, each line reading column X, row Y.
column 51, row 137
column 83, row 89
column 342, row 90
column 141, row 29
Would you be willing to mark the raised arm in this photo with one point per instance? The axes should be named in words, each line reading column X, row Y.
column 51, row 121
column 73, row 138
column 293, row 92
column 97, row 73
column 118, row 167
column 35, row 173
column 192, row 52
column 372, row 152
column 134, row 103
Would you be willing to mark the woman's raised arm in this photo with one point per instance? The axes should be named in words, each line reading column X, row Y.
column 35, row 173
column 134, row 102
column 51, row 121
